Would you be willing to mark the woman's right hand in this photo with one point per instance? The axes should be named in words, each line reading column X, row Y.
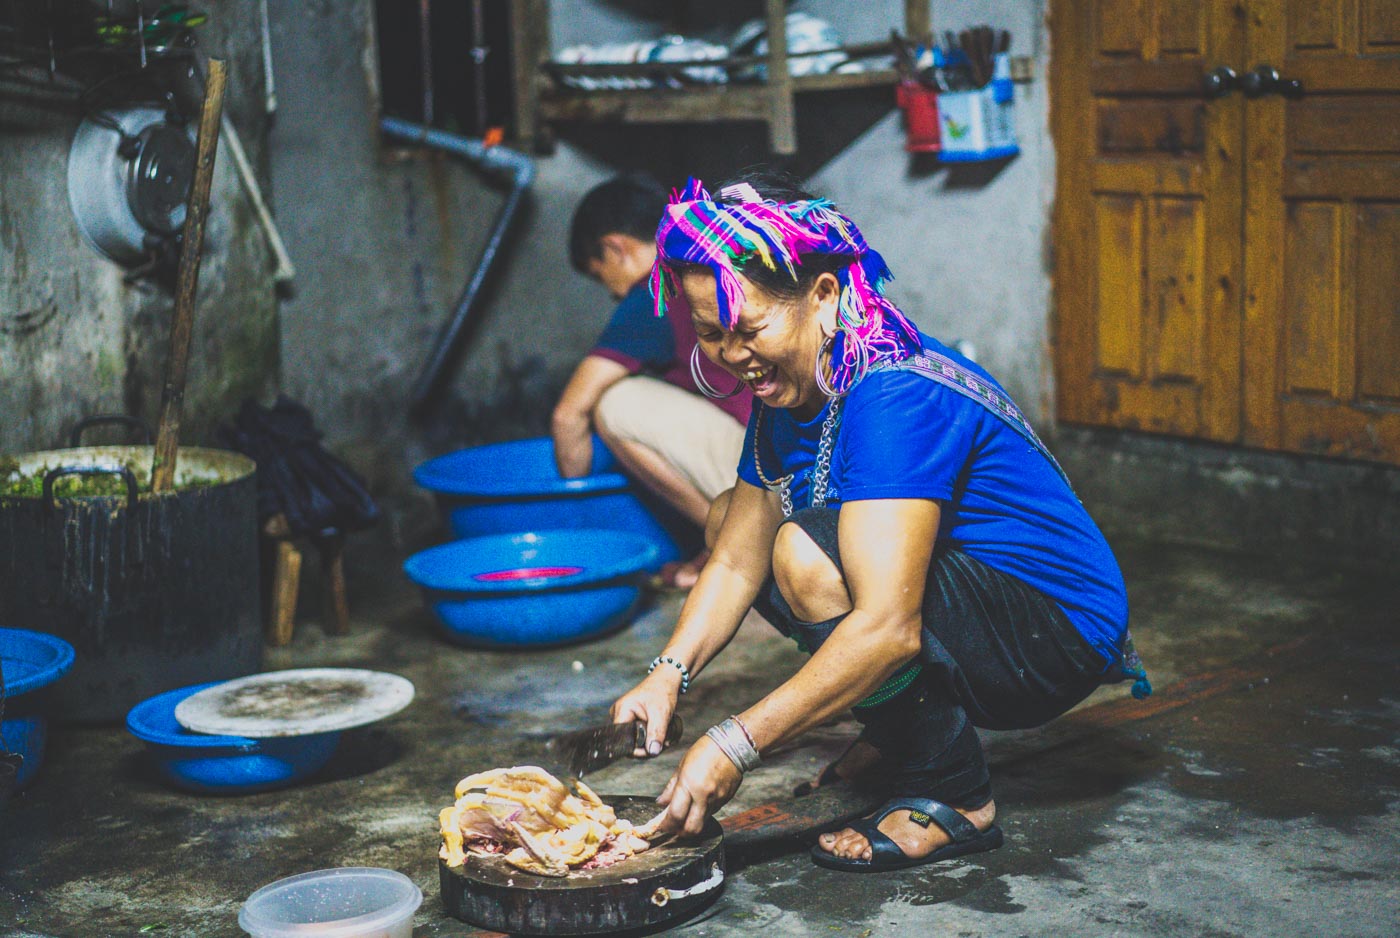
column 652, row 702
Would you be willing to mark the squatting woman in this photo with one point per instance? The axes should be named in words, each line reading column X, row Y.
column 894, row 514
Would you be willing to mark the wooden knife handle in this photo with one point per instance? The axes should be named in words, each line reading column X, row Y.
column 673, row 732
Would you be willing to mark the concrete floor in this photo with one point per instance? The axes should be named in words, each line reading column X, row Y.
column 1255, row 794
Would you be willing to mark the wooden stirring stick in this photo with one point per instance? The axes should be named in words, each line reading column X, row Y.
column 187, row 279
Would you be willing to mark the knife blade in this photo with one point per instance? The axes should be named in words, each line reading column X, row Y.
column 588, row 750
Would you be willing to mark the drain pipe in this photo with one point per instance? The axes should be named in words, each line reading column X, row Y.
column 515, row 166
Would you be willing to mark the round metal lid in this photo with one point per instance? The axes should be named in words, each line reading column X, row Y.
column 103, row 184
column 295, row 703
column 161, row 176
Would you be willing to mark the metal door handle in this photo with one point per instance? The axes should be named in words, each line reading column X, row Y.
column 1219, row 81
column 1265, row 79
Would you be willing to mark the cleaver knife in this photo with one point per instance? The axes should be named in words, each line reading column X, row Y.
column 591, row 749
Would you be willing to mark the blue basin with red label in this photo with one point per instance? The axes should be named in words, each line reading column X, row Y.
column 534, row 588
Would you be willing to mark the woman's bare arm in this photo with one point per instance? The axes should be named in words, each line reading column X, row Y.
column 886, row 547
column 736, row 570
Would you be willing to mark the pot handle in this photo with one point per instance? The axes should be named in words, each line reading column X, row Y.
column 53, row 475
column 136, row 423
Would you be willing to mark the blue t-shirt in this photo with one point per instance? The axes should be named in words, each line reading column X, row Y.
column 906, row 436
column 635, row 336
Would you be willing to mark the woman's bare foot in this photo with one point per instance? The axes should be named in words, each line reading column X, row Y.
column 914, row 840
column 860, row 757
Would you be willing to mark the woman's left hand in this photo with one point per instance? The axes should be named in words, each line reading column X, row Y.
column 703, row 784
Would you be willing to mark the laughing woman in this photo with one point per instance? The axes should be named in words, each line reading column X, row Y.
column 894, row 514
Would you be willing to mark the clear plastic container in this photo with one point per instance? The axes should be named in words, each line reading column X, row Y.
column 351, row 902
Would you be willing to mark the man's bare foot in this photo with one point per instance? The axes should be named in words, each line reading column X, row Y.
column 859, row 758
column 914, row 840
column 689, row 572
column 681, row 575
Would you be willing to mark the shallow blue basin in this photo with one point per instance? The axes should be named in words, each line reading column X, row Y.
column 222, row 765
column 505, row 488
column 31, row 661
column 535, row 588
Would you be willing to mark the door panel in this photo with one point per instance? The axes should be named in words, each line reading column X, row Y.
column 1177, row 280
column 1360, row 125
column 1322, row 310
column 1148, row 256
column 1229, row 269
column 1120, row 224
column 1181, row 28
column 1382, row 26
column 1121, row 29
column 1312, row 297
column 1378, row 303
column 1146, row 126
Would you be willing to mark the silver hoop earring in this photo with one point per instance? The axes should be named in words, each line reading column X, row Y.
column 701, row 382
column 825, row 352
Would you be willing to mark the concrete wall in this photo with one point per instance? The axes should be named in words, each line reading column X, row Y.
column 385, row 239
column 384, row 243
column 74, row 338
column 1280, row 505
column 967, row 243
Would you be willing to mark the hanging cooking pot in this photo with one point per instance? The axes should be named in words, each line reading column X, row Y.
column 153, row 591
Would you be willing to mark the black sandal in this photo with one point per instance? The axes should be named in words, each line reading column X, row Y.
column 885, row 854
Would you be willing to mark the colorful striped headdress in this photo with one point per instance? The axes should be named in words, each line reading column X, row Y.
column 695, row 229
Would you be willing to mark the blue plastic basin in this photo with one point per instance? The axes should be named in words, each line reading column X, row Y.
column 222, row 765
column 536, row 588
column 31, row 660
column 505, row 488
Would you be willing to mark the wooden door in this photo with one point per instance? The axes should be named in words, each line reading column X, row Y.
column 1322, row 311
column 1147, row 231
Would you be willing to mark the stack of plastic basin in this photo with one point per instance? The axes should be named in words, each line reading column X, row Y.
column 539, row 560
column 507, row 488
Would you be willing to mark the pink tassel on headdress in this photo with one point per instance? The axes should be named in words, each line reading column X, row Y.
column 697, row 230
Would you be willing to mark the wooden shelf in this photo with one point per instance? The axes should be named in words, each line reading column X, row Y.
column 697, row 104
column 694, row 103
column 841, row 81
column 541, row 99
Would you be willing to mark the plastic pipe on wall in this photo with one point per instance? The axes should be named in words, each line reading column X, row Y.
column 520, row 170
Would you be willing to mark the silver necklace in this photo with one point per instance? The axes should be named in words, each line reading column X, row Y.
column 821, row 468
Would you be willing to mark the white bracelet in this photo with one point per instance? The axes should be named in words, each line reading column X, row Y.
column 667, row 659
column 733, row 740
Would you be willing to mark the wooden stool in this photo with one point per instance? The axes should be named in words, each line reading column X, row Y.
column 286, row 582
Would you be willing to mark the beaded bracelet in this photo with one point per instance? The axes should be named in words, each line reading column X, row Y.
column 667, row 659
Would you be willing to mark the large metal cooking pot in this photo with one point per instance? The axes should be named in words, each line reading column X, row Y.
column 152, row 591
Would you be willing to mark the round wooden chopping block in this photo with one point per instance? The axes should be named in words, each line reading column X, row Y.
column 670, row 881
column 295, row 703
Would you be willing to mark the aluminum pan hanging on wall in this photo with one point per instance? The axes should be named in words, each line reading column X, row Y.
column 121, row 200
